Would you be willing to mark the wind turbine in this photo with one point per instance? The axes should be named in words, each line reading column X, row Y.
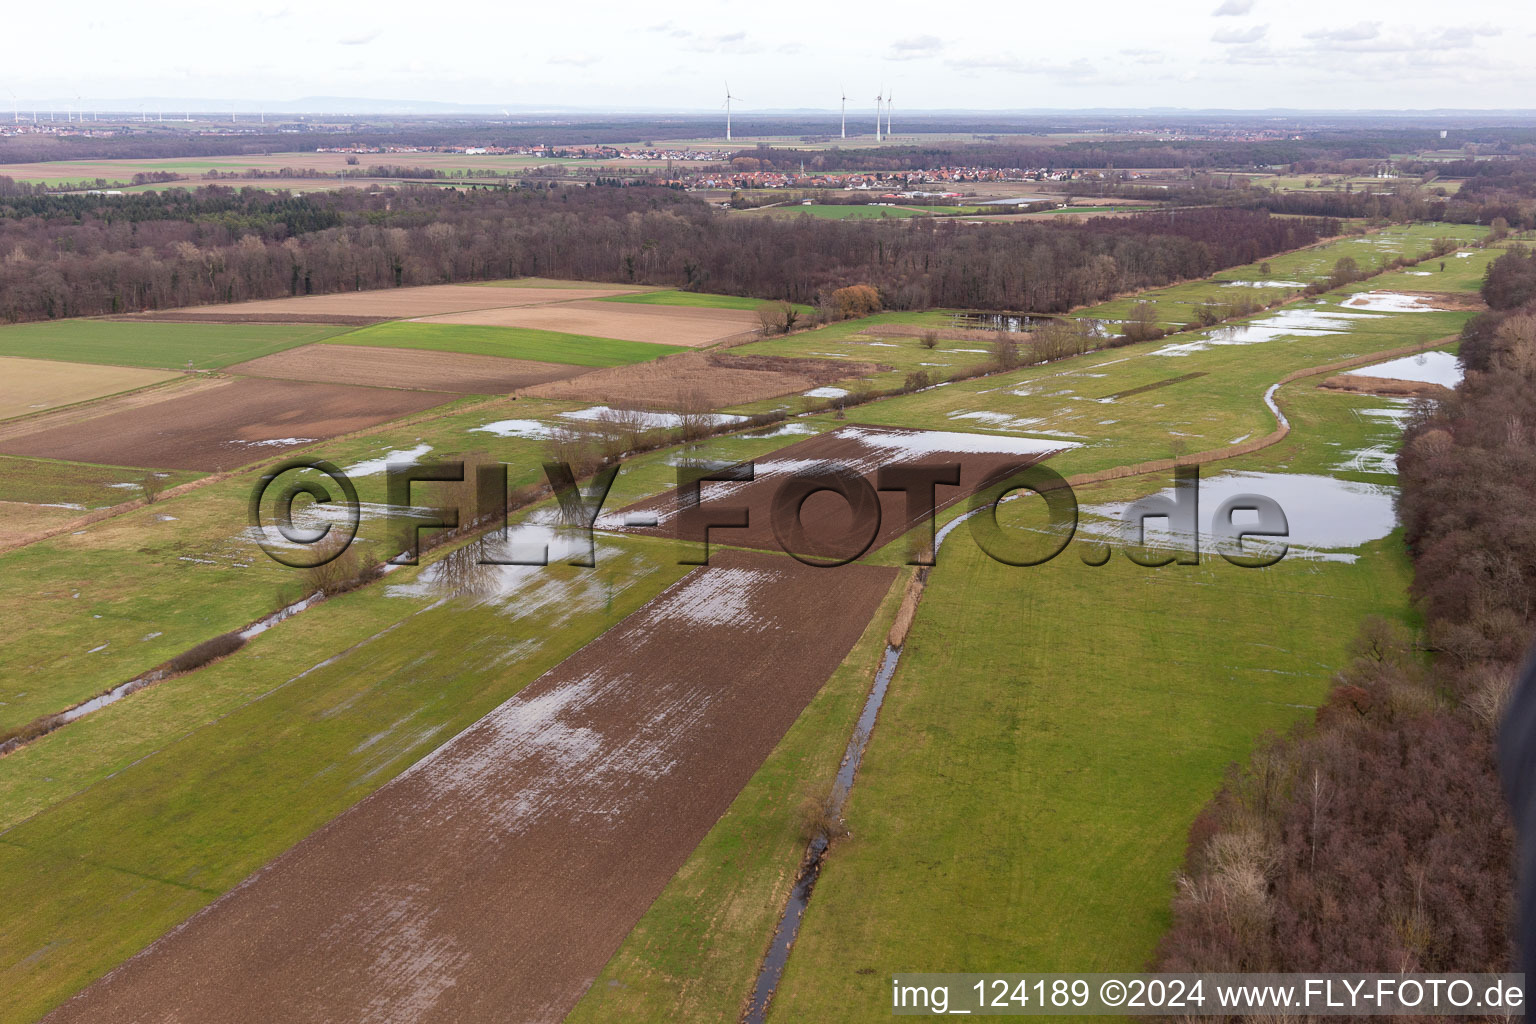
column 15, row 107
column 889, row 102
column 845, row 111
column 728, row 98
column 879, row 102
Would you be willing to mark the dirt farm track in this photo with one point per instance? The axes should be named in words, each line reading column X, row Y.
column 493, row 880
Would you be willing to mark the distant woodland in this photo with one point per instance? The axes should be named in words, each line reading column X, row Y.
column 83, row 255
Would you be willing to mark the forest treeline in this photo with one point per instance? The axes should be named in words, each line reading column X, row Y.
column 84, row 255
column 1500, row 189
column 1377, row 839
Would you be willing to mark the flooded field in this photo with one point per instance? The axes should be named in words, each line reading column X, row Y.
column 1441, row 368
column 1326, row 517
column 1288, row 323
column 1392, row 302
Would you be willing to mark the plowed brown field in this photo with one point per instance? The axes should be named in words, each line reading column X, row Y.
column 667, row 325
column 830, row 527
column 493, row 880
column 214, row 426
column 415, row 369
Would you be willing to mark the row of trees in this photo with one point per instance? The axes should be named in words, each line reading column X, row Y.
column 82, row 258
column 1378, row 839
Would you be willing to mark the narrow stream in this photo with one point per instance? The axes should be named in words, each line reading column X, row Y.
column 789, row 925
column 137, row 683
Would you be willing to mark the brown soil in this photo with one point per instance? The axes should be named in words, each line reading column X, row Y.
column 667, row 325
column 828, row 522
column 427, row 300
column 1359, row 385
column 697, row 380
column 218, row 425
column 410, row 368
column 493, row 880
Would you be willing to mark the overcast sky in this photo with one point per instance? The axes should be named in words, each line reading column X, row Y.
column 993, row 54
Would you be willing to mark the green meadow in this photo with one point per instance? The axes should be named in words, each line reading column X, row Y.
column 152, row 344
column 49, row 481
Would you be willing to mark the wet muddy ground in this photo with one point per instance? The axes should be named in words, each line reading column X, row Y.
column 831, row 528
column 493, row 880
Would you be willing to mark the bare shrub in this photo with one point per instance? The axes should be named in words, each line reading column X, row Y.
column 150, row 485
column 1488, row 688
column 1005, row 352
column 693, row 416
column 344, row 572
column 777, row 317
column 1142, row 324
column 620, row 430
column 1056, row 339
column 929, row 339
column 819, row 818
column 574, row 446
column 209, row 650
